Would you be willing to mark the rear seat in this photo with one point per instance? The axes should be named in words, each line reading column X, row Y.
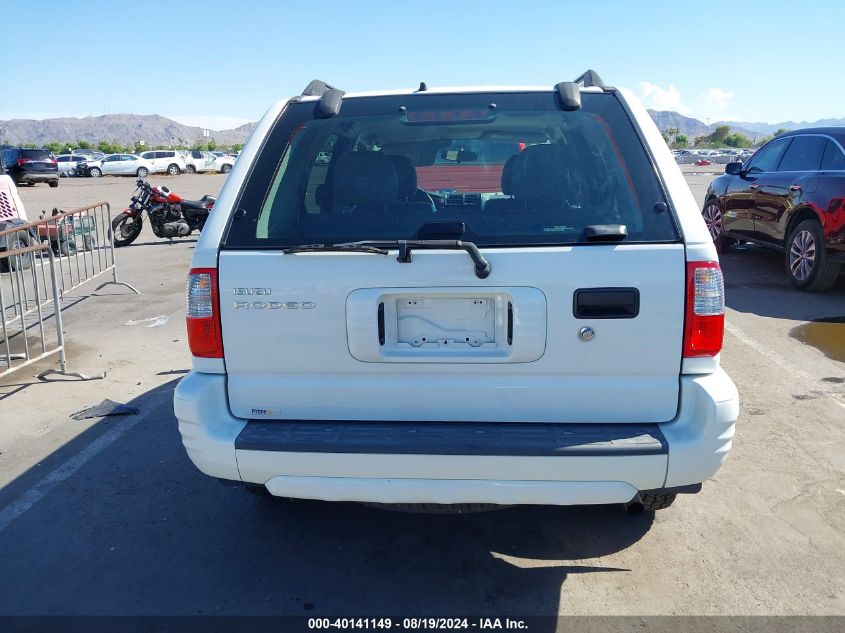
column 364, row 183
column 500, row 204
column 408, row 190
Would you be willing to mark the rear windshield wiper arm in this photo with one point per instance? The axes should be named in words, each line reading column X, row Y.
column 346, row 248
column 482, row 266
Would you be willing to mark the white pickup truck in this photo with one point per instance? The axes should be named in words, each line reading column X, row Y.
column 388, row 307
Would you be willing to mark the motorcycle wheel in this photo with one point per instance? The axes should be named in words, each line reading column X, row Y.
column 126, row 229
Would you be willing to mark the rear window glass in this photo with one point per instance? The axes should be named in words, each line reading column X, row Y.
column 833, row 157
column 804, row 154
column 497, row 169
column 35, row 153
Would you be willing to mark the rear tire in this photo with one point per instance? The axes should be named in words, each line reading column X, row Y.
column 142, row 172
column 808, row 263
column 95, row 172
column 652, row 502
column 173, row 170
column 126, row 229
column 191, row 169
column 66, row 248
column 225, row 169
column 20, row 240
column 54, row 183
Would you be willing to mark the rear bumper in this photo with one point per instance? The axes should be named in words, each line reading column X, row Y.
column 36, row 176
column 460, row 462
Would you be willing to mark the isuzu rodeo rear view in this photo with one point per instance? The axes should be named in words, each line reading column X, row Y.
column 458, row 296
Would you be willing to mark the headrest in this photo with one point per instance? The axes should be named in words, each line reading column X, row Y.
column 406, row 174
column 507, row 174
column 542, row 173
column 364, row 178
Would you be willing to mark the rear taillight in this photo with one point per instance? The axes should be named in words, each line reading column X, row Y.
column 704, row 326
column 202, row 313
column 23, row 161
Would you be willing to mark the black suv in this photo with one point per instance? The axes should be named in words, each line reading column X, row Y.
column 31, row 165
column 789, row 195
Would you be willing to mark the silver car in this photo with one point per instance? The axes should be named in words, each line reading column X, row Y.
column 119, row 165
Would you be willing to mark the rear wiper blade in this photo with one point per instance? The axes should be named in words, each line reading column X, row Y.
column 482, row 266
column 346, row 248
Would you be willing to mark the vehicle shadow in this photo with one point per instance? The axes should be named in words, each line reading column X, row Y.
column 756, row 282
column 135, row 529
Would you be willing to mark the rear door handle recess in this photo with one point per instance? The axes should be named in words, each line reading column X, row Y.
column 795, row 187
column 755, row 187
column 606, row 303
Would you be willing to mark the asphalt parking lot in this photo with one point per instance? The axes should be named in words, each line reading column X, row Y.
column 109, row 516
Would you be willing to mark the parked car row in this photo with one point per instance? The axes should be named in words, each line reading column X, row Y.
column 31, row 166
column 171, row 162
column 723, row 156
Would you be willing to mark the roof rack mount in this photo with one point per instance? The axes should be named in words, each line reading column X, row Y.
column 569, row 92
column 569, row 95
column 331, row 98
column 316, row 89
column 590, row 78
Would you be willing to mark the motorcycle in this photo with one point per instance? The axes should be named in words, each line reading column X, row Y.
column 170, row 215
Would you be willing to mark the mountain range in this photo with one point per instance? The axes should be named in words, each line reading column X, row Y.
column 768, row 128
column 126, row 129
column 691, row 128
column 123, row 129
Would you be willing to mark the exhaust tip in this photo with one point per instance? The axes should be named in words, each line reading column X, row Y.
column 635, row 506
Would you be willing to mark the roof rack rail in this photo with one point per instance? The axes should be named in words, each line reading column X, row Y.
column 589, row 79
column 316, row 89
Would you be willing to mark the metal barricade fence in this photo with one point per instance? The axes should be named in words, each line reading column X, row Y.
column 43, row 261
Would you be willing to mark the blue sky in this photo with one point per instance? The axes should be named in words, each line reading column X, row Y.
column 218, row 64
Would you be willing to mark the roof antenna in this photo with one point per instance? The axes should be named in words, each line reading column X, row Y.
column 422, row 87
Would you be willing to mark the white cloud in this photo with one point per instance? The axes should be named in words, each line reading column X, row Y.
column 712, row 103
column 714, row 100
column 656, row 98
column 210, row 121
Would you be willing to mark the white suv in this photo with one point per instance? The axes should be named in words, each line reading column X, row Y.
column 166, row 162
column 199, row 161
column 483, row 296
